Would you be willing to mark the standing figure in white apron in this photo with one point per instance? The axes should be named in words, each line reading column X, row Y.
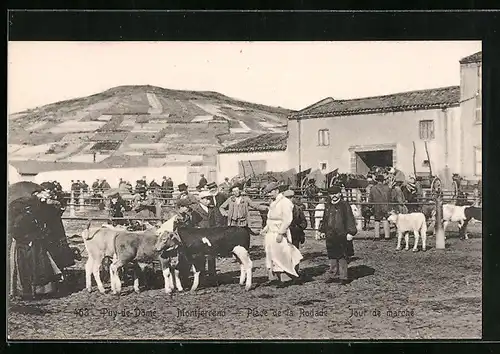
column 281, row 255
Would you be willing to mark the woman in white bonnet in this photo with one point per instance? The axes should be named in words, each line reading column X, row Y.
column 282, row 256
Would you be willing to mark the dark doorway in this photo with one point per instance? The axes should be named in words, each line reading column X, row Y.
column 365, row 160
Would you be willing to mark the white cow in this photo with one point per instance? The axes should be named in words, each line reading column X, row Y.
column 318, row 216
column 99, row 243
column 409, row 222
column 460, row 214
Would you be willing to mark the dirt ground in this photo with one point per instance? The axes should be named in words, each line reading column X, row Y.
column 394, row 295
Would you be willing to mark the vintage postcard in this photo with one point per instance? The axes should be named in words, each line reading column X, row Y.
column 244, row 190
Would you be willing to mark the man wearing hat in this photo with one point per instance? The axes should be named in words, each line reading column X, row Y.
column 116, row 208
column 236, row 208
column 299, row 222
column 311, row 193
column 412, row 191
column 380, row 194
column 184, row 208
column 203, row 216
column 338, row 226
column 282, row 257
column 202, row 183
column 167, row 187
column 218, row 198
column 399, row 176
column 184, row 194
column 225, row 187
column 398, row 198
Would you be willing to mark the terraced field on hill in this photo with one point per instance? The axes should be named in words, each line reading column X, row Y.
column 133, row 117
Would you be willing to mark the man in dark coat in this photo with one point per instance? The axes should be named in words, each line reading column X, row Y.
column 338, row 222
column 311, row 192
column 202, row 183
column 298, row 224
column 203, row 216
column 104, row 186
column 164, row 189
column 218, row 198
column 380, row 194
column 116, row 208
column 412, row 193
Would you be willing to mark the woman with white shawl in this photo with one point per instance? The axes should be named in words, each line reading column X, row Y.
column 281, row 255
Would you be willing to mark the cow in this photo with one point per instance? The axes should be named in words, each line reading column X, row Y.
column 366, row 213
column 194, row 244
column 461, row 214
column 356, row 211
column 138, row 248
column 409, row 222
column 99, row 243
column 318, row 216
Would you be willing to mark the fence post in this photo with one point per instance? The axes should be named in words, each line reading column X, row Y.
column 81, row 203
column 72, row 205
column 358, row 201
column 158, row 210
column 440, row 241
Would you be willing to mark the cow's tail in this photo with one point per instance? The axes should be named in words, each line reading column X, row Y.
column 250, row 231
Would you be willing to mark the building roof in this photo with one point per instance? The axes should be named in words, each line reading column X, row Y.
column 473, row 58
column 34, row 167
column 263, row 142
column 404, row 101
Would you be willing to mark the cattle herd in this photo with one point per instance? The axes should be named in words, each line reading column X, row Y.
column 177, row 249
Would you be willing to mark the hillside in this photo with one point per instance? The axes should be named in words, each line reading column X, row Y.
column 138, row 125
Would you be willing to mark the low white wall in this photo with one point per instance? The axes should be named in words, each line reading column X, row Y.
column 113, row 175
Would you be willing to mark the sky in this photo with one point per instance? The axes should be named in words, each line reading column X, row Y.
column 287, row 74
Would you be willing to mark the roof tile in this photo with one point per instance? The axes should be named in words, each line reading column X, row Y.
column 263, row 142
column 473, row 58
column 403, row 101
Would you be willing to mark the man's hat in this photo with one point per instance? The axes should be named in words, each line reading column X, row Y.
column 184, row 202
column 288, row 193
column 204, row 194
column 283, row 187
column 270, row 187
column 115, row 195
column 380, row 178
column 236, row 185
column 334, row 190
column 211, row 185
column 182, row 187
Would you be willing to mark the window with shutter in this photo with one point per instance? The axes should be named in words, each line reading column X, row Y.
column 323, row 137
column 426, row 129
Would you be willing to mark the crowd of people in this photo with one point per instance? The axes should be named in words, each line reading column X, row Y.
column 284, row 220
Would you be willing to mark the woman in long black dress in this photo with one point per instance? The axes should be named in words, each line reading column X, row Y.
column 38, row 247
